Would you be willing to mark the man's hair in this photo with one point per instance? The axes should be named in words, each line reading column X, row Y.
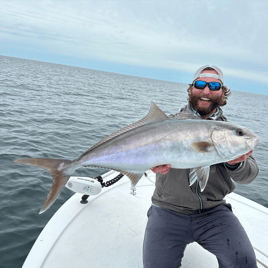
column 209, row 68
column 226, row 93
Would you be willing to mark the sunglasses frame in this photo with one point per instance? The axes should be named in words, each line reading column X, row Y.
column 207, row 84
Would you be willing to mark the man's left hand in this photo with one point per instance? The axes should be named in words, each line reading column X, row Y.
column 240, row 159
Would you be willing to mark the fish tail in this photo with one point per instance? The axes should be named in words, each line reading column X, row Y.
column 60, row 169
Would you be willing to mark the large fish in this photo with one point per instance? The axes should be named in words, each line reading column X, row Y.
column 155, row 140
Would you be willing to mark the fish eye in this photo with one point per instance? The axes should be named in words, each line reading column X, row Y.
column 239, row 132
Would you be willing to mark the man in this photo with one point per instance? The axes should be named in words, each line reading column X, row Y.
column 180, row 214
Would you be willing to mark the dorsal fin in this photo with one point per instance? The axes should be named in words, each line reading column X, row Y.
column 154, row 115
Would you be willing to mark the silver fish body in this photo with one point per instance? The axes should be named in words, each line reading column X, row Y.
column 152, row 141
column 177, row 142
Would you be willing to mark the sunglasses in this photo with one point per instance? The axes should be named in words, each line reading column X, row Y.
column 214, row 86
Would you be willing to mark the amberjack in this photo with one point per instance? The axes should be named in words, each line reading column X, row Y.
column 155, row 140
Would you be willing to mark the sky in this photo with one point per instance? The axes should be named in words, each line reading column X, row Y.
column 160, row 39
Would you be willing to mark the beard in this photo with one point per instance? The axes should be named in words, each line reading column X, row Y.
column 215, row 102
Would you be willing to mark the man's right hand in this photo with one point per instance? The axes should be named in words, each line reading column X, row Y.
column 164, row 169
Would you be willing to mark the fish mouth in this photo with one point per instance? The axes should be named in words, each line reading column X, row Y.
column 253, row 142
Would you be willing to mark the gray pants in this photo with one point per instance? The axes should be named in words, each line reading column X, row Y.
column 218, row 231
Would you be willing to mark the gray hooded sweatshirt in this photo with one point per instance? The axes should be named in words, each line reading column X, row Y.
column 173, row 192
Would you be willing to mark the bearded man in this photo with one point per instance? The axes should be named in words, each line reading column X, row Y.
column 180, row 214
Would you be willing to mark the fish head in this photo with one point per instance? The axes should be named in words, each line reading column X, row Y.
column 232, row 141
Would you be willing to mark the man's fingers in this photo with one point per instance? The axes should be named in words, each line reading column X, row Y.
column 240, row 159
column 249, row 153
column 164, row 169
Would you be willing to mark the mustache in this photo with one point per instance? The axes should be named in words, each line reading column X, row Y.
column 211, row 98
column 216, row 100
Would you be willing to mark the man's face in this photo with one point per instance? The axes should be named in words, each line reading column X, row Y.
column 205, row 101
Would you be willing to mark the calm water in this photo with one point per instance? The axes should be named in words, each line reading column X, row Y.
column 57, row 111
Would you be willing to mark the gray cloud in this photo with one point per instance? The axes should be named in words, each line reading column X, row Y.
column 176, row 35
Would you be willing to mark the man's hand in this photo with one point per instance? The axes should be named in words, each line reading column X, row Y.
column 240, row 159
column 164, row 169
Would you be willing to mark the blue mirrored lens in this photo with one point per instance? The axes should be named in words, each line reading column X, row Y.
column 202, row 84
column 214, row 85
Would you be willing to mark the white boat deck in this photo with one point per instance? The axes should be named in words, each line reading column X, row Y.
column 108, row 231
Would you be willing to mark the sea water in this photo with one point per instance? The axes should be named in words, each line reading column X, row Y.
column 58, row 111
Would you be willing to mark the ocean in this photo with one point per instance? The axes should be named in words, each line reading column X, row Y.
column 58, row 111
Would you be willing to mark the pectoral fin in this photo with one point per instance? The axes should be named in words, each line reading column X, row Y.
column 201, row 174
column 202, row 146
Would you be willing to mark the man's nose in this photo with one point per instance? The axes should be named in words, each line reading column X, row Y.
column 206, row 90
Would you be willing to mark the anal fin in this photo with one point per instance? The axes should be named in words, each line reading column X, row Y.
column 134, row 177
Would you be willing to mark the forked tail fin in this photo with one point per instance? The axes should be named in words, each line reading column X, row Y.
column 59, row 171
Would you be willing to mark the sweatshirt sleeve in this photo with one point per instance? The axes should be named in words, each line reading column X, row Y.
column 245, row 173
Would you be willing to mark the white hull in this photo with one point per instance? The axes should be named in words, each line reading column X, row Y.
column 108, row 231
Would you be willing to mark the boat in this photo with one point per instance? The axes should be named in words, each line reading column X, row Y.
column 107, row 229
